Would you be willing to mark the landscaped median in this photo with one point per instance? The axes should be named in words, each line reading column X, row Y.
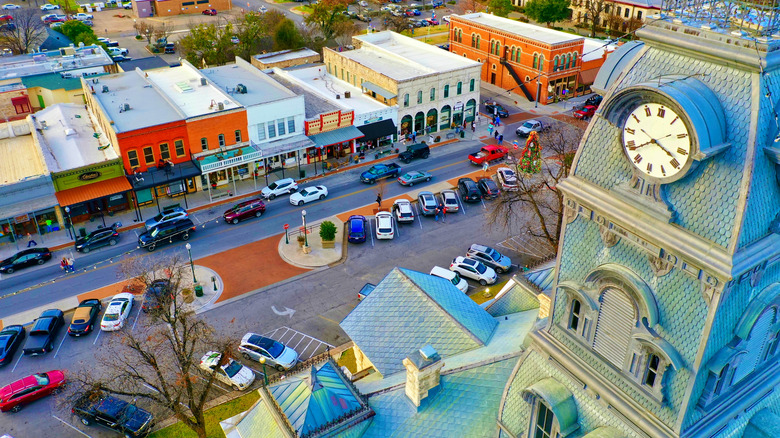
column 213, row 416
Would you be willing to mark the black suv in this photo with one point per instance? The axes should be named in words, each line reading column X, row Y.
column 154, row 296
column 494, row 108
column 594, row 100
column 469, row 192
column 98, row 238
column 165, row 232
column 417, row 150
column 114, row 414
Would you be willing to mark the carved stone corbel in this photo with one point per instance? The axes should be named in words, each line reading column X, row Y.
column 659, row 266
column 609, row 238
column 570, row 211
column 757, row 274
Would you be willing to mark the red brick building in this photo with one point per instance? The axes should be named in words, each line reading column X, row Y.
column 532, row 61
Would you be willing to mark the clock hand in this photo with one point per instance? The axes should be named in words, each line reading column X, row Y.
column 664, row 149
column 633, row 148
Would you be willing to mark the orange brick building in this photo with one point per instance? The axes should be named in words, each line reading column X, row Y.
column 537, row 63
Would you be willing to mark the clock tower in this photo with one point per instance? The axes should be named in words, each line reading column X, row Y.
column 665, row 313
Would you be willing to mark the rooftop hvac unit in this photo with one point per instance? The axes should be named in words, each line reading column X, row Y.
column 241, row 89
column 221, row 106
column 347, row 95
column 203, row 81
column 338, row 96
column 105, row 88
column 126, row 107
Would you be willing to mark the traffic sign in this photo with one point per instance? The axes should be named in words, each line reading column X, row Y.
column 286, row 226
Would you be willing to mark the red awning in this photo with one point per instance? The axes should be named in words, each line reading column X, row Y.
column 588, row 76
column 93, row 191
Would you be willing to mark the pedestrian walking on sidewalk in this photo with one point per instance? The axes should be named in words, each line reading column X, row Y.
column 490, row 128
column 71, row 263
column 473, row 127
column 414, row 137
column 495, row 134
column 64, row 264
column 378, row 200
column 30, row 241
column 500, row 139
column 443, row 212
column 436, row 214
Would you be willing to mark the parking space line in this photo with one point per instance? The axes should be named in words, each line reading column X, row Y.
column 307, row 346
column 271, row 334
column 462, row 205
column 17, row 362
column 61, row 342
column 299, row 343
column 319, row 344
column 397, row 228
column 371, row 233
column 482, row 200
column 71, row 426
column 216, row 385
column 97, row 336
column 138, row 314
column 419, row 216
column 280, row 336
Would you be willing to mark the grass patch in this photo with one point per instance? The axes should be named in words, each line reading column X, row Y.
column 426, row 30
column 63, row 5
column 213, row 417
column 479, row 295
column 305, row 9
column 435, row 39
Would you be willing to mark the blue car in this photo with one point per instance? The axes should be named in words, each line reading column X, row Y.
column 357, row 229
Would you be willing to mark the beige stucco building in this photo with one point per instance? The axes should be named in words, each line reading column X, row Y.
column 625, row 9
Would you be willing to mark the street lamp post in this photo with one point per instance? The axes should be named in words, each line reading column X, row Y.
column 69, row 225
column 265, row 374
column 192, row 266
column 305, row 234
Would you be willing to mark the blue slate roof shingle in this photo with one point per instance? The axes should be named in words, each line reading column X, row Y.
column 408, row 310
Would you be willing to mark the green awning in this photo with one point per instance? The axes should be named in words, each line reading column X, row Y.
column 378, row 90
column 336, row 136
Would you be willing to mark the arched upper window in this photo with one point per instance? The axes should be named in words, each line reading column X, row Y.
column 433, row 94
column 473, row 40
column 568, row 60
column 471, row 84
column 536, row 60
column 517, row 55
column 555, row 63
column 447, row 91
column 574, row 60
column 419, row 97
column 406, row 99
column 512, row 58
column 575, row 315
column 479, row 40
column 541, row 62
column 498, row 48
column 460, row 88
column 756, row 345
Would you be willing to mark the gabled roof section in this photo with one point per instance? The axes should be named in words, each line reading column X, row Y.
column 408, row 310
column 318, row 400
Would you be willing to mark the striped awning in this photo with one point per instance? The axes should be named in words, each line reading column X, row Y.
column 95, row 190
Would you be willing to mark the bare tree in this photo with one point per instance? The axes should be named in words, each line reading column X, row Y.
column 632, row 25
column 145, row 29
column 158, row 360
column 594, row 9
column 469, row 6
column 395, row 23
column 162, row 30
column 345, row 30
column 613, row 22
column 538, row 192
column 27, row 32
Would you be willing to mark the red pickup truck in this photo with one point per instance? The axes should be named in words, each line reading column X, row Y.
column 488, row 153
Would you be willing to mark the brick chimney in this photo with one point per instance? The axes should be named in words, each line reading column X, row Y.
column 423, row 369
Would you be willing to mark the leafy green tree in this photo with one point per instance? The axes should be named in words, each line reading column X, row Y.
column 255, row 32
column 208, row 44
column 287, row 36
column 547, row 11
column 326, row 15
column 78, row 32
column 502, row 8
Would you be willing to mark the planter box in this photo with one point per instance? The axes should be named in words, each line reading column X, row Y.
column 328, row 243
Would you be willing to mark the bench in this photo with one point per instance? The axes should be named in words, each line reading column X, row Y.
column 450, row 135
column 218, row 195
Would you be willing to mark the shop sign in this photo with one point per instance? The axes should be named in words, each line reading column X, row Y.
column 374, row 120
column 88, row 176
column 116, row 197
column 458, row 106
column 22, row 218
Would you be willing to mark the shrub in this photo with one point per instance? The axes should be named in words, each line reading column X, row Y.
column 139, row 37
column 328, row 230
column 523, row 20
column 451, row 2
column 301, row 238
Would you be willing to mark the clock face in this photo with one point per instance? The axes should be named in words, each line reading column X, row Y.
column 657, row 141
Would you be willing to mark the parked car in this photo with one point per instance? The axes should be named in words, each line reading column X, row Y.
column 99, row 238
column 230, row 373
column 164, row 233
column 531, row 125
column 488, row 188
column 445, row 18
column 383, row 223
column 507, row 178
column 127, row 5
column 167, row 215
column 417, row 150
column 84, row 317
column 403, row 211
column 308, row 194
column 234, row 39
column 427, row 202
column 494, row 108
column 433, row 22
column 356, row 229
column 25, row 258
column 6, row 17
column 82, row 16
column 276, row 354
column 11, row 6
column 29, row 389
column 278, row 188
column 117, row 312
column 49, row 7
column 422, row 23
column 10, row 339
column 155, row 295
column 211, row 12
column 117, row 51
column 469, row 192
column 585, row 112
column 452, row 277
column 474, row 270
column 244, row 210
column 115, row 414
column 594, row 100
column 488, row 153
column 450, row 201
column 490, row 257
column 121, row 58
column 54, row 18
column 380, row 171
column 413, row 177
column 170, row 48
column 89, row 23
column 43, row 332
column 103, row 40
column 416, row 12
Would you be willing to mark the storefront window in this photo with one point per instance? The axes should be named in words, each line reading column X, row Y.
column 117, row 200
column 291, row 124
column 280, row 126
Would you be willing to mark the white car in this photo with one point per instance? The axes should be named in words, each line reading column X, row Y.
column 309, row 194
column 452, row 277
column 117, row 312
column 278, row 188
column 445, row 18
column 82, row 16
column 474, row 270
column 49, row 7
column 9, row 6
column 103, row 40
column 117, row 51
column 263, row 9
column 508, row 179
column 383, row 222
column 127, row 5
column 276, row 354
column 450, row 201
column 403, row 210
column 231, row 373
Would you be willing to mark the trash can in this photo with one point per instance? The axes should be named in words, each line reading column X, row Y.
column 302, row 174
column 198, row 290
column 83, row 232
column 462, row 134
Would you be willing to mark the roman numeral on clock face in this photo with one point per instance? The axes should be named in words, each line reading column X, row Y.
column 638, row 159
column 661, row 112
column 682, row 151
column 675, row 163
column 663, row 171
column 649, row 167
column 630, row 131
column 673, row 120
column 635, row 117
column 682, row 135
column 648, row 113
column 631, row 144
